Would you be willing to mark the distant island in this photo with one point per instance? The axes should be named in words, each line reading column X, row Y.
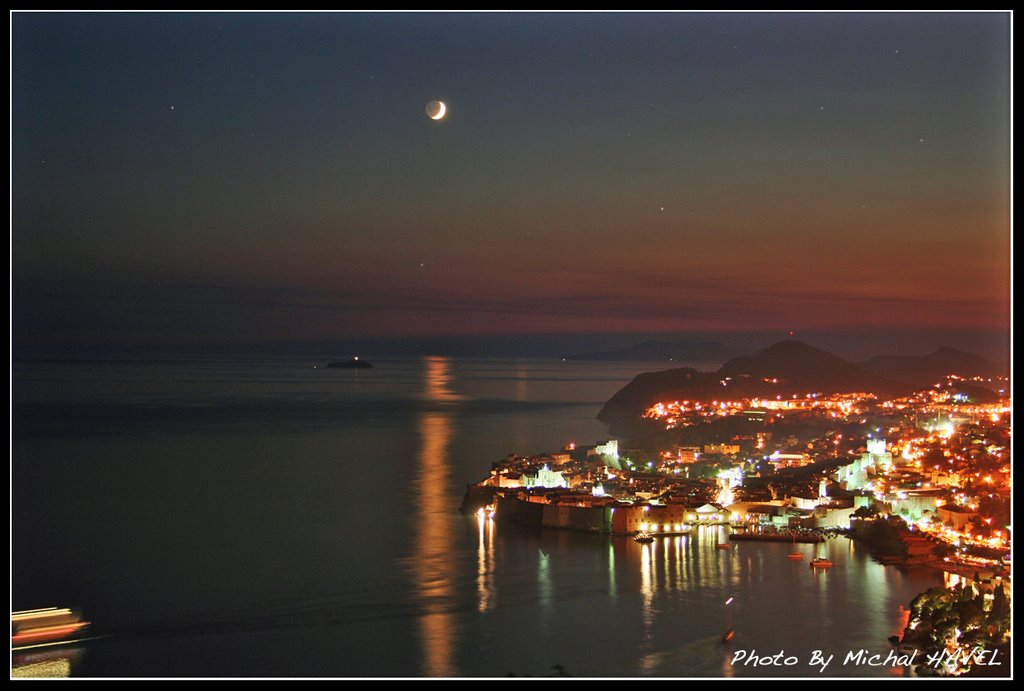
column 661, row 351
column 354, row 363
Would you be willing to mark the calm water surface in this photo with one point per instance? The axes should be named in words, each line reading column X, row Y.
column 269, row 518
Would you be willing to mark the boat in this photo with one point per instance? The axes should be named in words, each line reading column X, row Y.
column 48, row 625
column 643, row 537
column 794, row 555
column 821, row 563
column 723, row 545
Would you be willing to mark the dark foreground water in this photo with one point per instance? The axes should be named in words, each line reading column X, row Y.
column 265, row 518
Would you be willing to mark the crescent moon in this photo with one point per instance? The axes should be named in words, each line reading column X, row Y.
column 441, row 110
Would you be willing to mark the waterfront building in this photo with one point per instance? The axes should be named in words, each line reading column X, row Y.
column 759, row 511
column 832, row 515
column 955, row 516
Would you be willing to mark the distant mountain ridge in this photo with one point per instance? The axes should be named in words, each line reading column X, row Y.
column 929, row 369
column 803, row 366
column 788, row 368
column 656, row 351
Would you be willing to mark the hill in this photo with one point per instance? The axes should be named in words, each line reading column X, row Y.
column 800, row 368
column 932, row 368
column 788, row 368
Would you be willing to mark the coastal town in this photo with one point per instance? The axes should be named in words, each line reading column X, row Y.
column 921, row 478
column 941, row 467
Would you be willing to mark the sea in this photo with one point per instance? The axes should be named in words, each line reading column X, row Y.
column 271, row 517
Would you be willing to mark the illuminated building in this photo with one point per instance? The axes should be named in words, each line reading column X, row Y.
column 606, row 450
column 724, row 449
column 856, row 475
column 956, row 516
column 789, row 460
column 544, row 477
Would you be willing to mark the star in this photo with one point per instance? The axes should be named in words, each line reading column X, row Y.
column 172, row 107
column 663, row 208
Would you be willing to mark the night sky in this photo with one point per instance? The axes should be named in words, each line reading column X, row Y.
column 205, row 181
